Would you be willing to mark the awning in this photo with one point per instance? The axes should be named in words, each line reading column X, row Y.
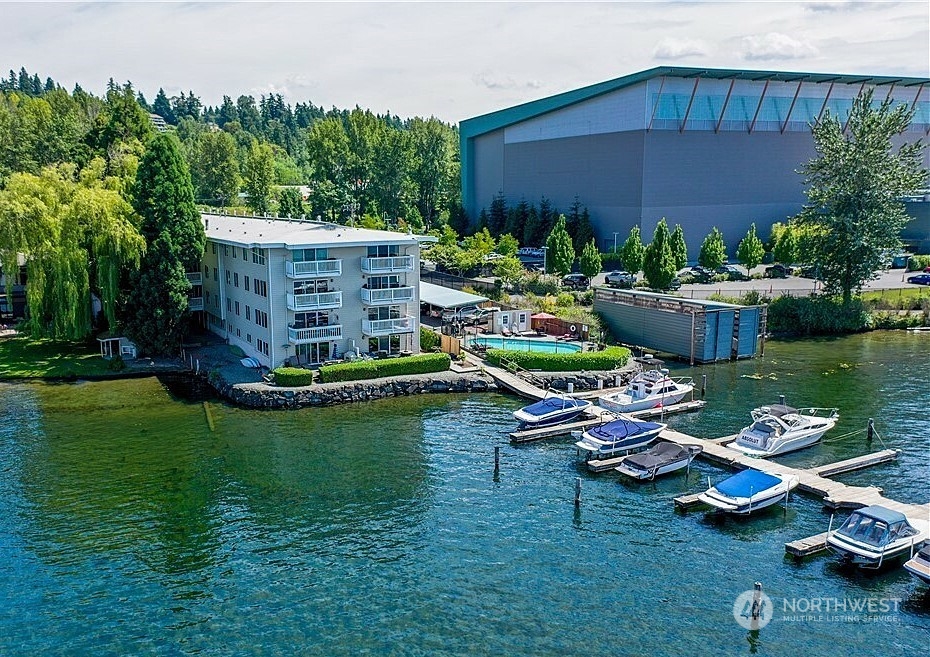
column 446, row 297
column 543, row 316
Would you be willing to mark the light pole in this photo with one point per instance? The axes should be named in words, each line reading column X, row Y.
column 545, row 251
column 615, row 241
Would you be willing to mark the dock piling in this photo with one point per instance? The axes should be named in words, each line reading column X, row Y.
column 497, row 458
column 781, row 399
column 577, row 491
column 756, row 612
column 871, row 432
column 703, row 385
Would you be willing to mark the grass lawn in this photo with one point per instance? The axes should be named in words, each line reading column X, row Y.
column 908, row 297
column 22, row 357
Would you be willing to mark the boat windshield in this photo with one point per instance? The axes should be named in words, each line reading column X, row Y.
column 863, row 529
column 767, row 425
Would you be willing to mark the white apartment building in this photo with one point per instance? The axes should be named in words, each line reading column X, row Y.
column 286, row 288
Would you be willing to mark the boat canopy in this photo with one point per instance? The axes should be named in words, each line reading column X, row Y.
column 622, row 428
column 882, row 513
column 659, row 455
column 550, row 404
column 747, row 483
column 780, row 409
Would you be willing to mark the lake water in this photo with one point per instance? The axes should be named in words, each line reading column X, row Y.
column 128, row 527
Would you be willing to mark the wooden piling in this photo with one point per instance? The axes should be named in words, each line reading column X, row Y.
column 577, row 491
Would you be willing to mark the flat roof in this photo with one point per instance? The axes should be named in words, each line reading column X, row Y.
column 268, row 232
column 446, row 297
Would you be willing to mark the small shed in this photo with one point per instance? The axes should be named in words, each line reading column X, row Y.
column 112, row 346
column 516, row 321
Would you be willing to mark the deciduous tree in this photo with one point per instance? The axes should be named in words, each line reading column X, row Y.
column 658, row 259
column 679, row 247
column 590, row 260
column 259, row 176
column 750, row 250
column 632, row 251
column 560, row 254
column 713, row 250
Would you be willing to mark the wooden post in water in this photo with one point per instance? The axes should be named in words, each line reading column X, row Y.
column 756, row 612
column 497, row 458
column 871, row 431
column 703, row 385
column 577, row 491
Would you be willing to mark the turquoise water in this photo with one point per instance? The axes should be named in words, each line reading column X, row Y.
column 128, row 527
column 527, row 344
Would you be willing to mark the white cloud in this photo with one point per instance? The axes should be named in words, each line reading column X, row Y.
column 496, row 81
column 672, row 48
column 775, row 45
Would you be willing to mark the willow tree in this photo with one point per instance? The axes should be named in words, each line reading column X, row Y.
column 77, row 237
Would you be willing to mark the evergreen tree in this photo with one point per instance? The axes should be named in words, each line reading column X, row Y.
column 547, row 218
column 584, row 231
column 215, row 168
column 679, row 248
column 532, row 229
column 162, row 107
column 713, row 250
column 590, row 260
column 497, row 217
column 632, row 251
column 290, row 204
column 560, row 254
column 658, row 260
column 507, row 245
column 259, row 177
column 750, row 250
column 121, row 121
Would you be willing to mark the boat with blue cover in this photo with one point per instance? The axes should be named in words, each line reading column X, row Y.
column 874, row 534
column 551, row 409
column 616, row 436
column 748, row 491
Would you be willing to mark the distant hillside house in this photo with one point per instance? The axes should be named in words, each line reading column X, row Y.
column 158, row 122
column 701, row 147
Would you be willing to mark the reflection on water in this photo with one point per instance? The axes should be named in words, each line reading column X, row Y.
column 382, row 528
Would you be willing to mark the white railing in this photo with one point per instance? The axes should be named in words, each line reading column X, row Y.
column 195, row 303
column 375, row 327
column 314, row 268
column 318, row 301
column 387, row 295
column 194, row 277
column 314, row 334
column 387, row 265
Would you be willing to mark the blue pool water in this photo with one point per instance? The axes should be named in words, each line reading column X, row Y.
column 527, row 344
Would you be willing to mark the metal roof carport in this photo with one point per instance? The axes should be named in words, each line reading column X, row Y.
column 446, row 297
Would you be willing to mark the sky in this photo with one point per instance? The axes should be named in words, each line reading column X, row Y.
column 451, row 60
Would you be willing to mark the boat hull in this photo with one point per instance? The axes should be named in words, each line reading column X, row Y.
column 919, row 566
column 643, row 474
column 626, row 404
column 864, row 556
column 529, row 421
column 620, row 447
column 743, row 505
column 792, row 445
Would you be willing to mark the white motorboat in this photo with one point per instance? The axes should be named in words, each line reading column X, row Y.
column 649, row 389
column 658, row 460
column 748, row 491
column 552, row 409
column 919, row 565
column 779, row 429
column 875, row 534
column 618, row 436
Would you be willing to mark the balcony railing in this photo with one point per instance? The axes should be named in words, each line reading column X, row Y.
column 377, row 327
column 318, row 301
column 313, row 268
column 387, row 265
column 314, row 334
column 387, row 295
column 194, row 277
column 195, row 303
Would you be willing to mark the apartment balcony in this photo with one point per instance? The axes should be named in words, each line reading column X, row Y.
column 194, row 303
column 387, row 265
column 314, row 269
column 374, row 328
column 318, row 301
column 314, row 334
column 387, row 296
column 194, row 277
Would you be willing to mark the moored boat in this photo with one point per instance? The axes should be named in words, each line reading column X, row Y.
column 748, row 491
column 658, row 460
column 872, row 535
column 919, row 565
column 552, row 409
column 649, row 389
column 618, row 436
column 779, row 429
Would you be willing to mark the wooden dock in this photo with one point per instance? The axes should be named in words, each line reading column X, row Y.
column 807, row 546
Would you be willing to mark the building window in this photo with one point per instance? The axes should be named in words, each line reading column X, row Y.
column 213, row 246
column 206, row 271
column 225, row 250
column 246, row 283
column 261, row 318
column 216, row 273
column 207, row 301
column 382, row 282
column 245, row 253
column 384, row 251
column 238, row 333
column 228, row 277
column 262, row 346
column 248, row 313
column 261, row 287
column 236, row 278
column 258, row 256
column 228, row 305
column 248, row 338
column 234, row 252
column 237, row 308
column 309, row 255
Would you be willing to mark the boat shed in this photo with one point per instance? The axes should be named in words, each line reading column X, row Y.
column 696, row 330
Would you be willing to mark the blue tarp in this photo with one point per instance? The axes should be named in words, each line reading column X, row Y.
column 553, row 404
column 619, row 429
column 747, row 483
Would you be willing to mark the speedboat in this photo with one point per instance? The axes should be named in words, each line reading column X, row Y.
column 748, row 491
column 875, row 534
column 649, row 389
column 779, row 429
column 658, row 460
column 617, row 436
column 551, row 409
column 919, row 565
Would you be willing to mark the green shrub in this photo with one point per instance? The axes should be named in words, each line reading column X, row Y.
column 291, row 377
column 585, row 298
column 816, row 315
column 117, row 364
column 429, row 340
column 565, row 299
column 918, row 262
column 611, row 261
column 373, row 369
column 608, row 359
column 895, row 320
column 541, row 284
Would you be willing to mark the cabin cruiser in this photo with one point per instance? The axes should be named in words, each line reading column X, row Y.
column 616, row 436
column 779, row 429
column 874, row 534
column 551, row 409
column 748, row 491
column 658, row 460
column 649, row 389
column 919, row 565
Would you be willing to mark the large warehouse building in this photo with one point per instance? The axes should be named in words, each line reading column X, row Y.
column 701, row 147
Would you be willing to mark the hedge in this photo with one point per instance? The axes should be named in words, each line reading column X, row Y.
column 291, row 377
column 373, row 369
column 608, row 359
column 429, row 339
column 816, row 315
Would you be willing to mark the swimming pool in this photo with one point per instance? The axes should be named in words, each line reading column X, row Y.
column 526, row 344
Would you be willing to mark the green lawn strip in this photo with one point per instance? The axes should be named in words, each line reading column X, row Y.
column 26, row 358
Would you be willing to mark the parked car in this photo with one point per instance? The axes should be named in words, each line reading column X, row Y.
column 576, row 282
column 697, row 274
column 732, row 272
column 919, row 279
column 674, row 284
column 777, row 271
column 620, row 278
column 461, row 314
